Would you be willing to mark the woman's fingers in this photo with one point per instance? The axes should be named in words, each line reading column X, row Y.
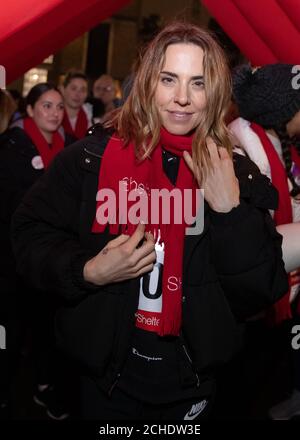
column 135, row 239
column 121, row 239
column 213, row 151
column 143, row 262
column 140, row 253
column 189, row 161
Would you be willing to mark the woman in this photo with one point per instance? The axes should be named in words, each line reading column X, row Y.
column 30, row 144
column 150, row 322
column 27, row 149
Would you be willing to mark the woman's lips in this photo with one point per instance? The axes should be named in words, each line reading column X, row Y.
column 179, row 116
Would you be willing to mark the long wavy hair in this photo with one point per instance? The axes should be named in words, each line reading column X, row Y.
column 139, row 121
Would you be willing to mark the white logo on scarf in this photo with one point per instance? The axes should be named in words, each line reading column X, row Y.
column 132, row 185
column 174, row 283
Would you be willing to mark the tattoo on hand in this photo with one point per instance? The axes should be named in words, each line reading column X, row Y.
column 104, row 252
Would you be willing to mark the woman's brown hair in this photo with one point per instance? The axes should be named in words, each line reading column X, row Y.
column 138, row 120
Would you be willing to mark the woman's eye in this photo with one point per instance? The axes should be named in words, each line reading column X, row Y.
column 47, row 106
column 167, row 80
column 198, row 84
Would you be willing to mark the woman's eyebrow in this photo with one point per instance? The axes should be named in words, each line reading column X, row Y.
column 174, row 75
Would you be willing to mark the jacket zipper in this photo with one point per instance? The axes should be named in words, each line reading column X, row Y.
column 190, row 361
column 91, row 153
column 114, row 384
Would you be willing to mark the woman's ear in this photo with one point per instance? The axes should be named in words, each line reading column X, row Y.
column 29, row 110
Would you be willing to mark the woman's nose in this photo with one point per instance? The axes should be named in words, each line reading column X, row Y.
column 182, row 95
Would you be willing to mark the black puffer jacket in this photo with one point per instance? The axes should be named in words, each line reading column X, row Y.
column 17, row 175
column 231, row 271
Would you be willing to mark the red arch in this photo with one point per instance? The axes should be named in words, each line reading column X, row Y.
column 266, row 31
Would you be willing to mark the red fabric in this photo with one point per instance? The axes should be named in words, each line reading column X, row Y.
column 31, row 30
column 47, row 154
column 273, row 26
column 80, row 127
column 292, row 10
column 265, row 31
column 241, row 31
column 283, row 215
column 149, row 174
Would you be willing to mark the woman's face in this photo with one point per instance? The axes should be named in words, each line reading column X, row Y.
column 180, row 94
column 48, row 111
column 75, row 93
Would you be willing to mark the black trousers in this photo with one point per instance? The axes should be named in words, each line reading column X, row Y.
column 96, row 405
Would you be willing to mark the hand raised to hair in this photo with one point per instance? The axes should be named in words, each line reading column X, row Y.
column 221, row 186
column 121, row 259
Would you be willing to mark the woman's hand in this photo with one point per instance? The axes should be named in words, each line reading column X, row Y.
column 221, row 187
column 121, row 259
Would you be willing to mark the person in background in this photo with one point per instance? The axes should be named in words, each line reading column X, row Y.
column 152, row 312
column 7, row 109
column 20, row 103
column 77, row 117
column 268, row 131
column 7, row 306
column 104, row 88
column 27, row 149
column 98, row 110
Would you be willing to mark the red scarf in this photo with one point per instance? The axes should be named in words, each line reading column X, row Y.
column 40, row 142
column 80, row 127
column 119, row 163
column 283, row 215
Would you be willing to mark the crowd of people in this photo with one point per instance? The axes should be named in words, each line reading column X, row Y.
column 127, row 310
column 32, row 132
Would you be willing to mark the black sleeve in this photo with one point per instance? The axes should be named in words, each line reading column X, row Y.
column 16, row 176
column 11, row 193
column 246, row 246
column 45, row 229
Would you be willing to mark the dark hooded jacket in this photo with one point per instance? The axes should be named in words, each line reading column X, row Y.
column 232, row 270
